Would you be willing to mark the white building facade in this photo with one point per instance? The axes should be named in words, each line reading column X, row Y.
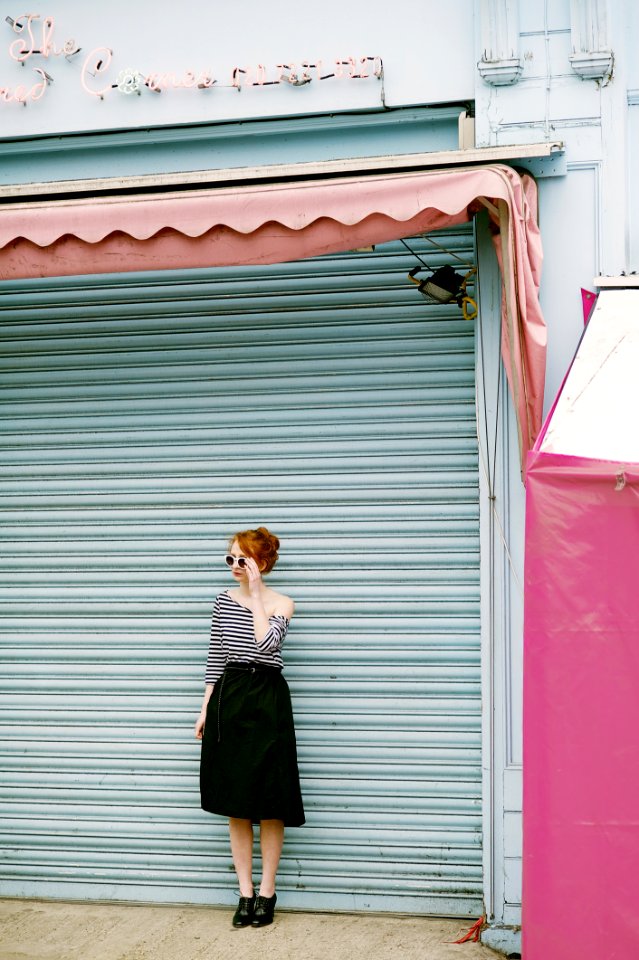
column 149, row 413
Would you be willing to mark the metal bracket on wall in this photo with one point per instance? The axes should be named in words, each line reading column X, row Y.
column 555, row 165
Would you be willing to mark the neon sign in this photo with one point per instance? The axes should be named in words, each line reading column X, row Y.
column 133, row 81
column 36, row 38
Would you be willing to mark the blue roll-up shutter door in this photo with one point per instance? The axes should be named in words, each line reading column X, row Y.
column 146, row 417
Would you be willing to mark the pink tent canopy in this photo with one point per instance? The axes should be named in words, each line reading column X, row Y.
column 581, row 654
column 290, row 221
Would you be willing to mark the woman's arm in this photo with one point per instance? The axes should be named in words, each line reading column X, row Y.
column 260, row 617
column 215, row 662
column 216, row 659
column 201, row 720
column 262, row 625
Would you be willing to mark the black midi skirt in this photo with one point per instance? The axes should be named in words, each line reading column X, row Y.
column 249, row 766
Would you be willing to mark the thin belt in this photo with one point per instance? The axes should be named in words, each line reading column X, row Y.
column 252, row 667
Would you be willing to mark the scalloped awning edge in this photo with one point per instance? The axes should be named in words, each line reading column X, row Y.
column 296, row 206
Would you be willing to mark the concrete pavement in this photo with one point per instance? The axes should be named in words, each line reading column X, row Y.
column 57, row 930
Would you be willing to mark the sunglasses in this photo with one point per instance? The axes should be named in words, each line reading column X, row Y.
column 231, row 561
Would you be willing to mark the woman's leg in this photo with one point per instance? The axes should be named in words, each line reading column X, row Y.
column 271, row 842
column 241, row 832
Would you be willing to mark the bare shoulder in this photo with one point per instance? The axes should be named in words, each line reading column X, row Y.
column 281, row 605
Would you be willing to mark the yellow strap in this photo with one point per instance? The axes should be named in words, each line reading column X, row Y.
column 469, row 308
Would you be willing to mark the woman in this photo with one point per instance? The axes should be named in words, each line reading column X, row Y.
column 248, row 770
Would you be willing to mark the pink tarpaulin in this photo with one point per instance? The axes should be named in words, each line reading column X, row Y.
column 581, row 711
column 291, row 221
column 581, row 656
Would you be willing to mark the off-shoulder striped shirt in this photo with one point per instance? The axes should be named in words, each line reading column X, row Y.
column 233, row 638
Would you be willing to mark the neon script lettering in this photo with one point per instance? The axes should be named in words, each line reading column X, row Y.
column 98, row 63
column 23, row 94
column 131, row 81
column 27, row 44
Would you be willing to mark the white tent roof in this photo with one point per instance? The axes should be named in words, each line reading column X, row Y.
column 597, row 414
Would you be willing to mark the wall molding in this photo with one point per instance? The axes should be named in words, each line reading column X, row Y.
column 500, row 64
column 594, row 166
column 592, row 57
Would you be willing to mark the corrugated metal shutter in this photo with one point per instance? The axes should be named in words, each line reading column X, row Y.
column 145, row 417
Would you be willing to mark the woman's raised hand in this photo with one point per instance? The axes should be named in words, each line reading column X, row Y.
column 254, row 577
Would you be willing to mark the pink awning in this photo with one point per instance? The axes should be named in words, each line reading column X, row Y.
column 291, row 221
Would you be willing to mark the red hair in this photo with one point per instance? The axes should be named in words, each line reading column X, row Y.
column 260, row 544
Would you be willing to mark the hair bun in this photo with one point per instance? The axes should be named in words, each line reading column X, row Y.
column 272, row 539
column 260, row 544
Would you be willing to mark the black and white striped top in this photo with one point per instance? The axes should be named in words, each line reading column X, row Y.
column 233, row 638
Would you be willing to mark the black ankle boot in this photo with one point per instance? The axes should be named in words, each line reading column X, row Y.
column 264, row 910
column 243, row 916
